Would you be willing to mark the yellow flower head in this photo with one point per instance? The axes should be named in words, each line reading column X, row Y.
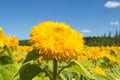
column 95, row 53
column 111, row 58
column 3, row 38
column 2, row 35
column 14, row 42
column 56, row 40
column 98, row 70
column 25, row 49
column 19, row 58
column 0, row 29
column 1, row 44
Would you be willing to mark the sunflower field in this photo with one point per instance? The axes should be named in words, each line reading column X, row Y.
column 56, row 52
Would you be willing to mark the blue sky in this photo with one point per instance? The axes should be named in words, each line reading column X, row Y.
column 90, row 17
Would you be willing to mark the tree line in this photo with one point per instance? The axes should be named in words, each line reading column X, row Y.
column 104, row 40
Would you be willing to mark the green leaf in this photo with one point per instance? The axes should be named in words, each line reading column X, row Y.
column 100, row 77
column 1, row 77
column 110, row 74
column 5, row 60
column 9, row 51
column 62, row 77
column 69, row 75
column 31, row 56
column 21, row 53
column 8, row 71
column 41, row 76
column 82, row 70
column 29, row 71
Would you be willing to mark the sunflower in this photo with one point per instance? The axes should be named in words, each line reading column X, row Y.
column 3, row 39
column 14, row 42
column 56, row 41
column 100, row 71
column 95, row 53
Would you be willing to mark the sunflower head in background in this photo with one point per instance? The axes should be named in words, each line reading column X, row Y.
column 3, row 38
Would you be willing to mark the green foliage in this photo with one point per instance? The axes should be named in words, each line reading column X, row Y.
column 5, row 60
column 82, row 70
column 22, row 54
column 8, row 71
column 100, row 77
column 29, row 71
column 33, row 55
column 24, row 42
column 103, row 40
column 41, row 77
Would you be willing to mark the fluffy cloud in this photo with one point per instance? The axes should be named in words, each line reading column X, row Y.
column 112, row 4
column 86, row 31
column 115, row 23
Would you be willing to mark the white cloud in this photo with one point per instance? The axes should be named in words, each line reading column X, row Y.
column 115, row 23
column 86, row 31
column 112, row 4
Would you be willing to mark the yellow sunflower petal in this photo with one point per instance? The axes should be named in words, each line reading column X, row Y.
column 56, row 40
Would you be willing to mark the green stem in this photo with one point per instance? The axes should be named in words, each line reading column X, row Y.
column 55, row 69
column 63, row 68
column 48, row 74
column 11, row 55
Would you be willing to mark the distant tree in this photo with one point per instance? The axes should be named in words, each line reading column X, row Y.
column 104, row 40
column 116, row 34
column 109, row 34
column 23, row 42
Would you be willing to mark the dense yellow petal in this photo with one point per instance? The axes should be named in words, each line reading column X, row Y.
column 56, row 40
column 98, row 70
